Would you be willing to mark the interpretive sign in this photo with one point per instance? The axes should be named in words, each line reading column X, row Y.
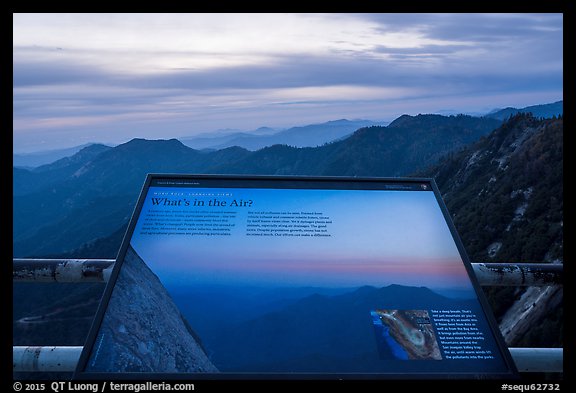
column 290, row 277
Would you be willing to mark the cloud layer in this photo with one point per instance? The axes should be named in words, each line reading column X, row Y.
column 109, row 78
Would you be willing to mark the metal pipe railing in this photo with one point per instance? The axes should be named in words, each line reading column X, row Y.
column 61, row 270
column 98, row 270
column 45, row 359
column 64, row 359
column 518, row 274
column 538, row 360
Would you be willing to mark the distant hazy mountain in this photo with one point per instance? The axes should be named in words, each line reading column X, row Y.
column 28, row 180
column 306, row 136
column 545, row 111
column 82, row 201
column 222, row 138
column 33, row 160
column 407, row 144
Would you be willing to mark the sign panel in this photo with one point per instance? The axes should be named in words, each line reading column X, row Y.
column 292, row 277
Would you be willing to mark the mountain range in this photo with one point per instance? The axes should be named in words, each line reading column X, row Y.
column 502, row 183
column 546, row 111
column 312, row 135
column 63, row 205
column 38, row 158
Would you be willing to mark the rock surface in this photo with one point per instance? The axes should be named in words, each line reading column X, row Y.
column 527, row 312
column 143, row 330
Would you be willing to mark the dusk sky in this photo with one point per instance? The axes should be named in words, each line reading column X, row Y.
column 80, row 78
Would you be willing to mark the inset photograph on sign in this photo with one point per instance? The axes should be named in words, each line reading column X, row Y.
column 406, row 334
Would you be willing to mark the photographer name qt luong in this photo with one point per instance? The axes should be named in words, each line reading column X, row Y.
column 74, row 386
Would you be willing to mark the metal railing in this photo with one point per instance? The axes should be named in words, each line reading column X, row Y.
column 65, row 358
column 61, row 270
column 98, row 270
